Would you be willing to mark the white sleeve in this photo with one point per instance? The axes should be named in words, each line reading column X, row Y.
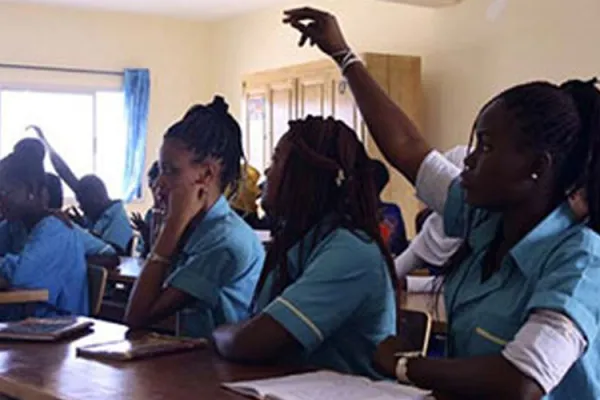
column 406, row 262
column 435, row 175
column 545, row 348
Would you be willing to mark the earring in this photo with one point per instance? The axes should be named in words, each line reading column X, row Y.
column 30, row 197
column 534, row 176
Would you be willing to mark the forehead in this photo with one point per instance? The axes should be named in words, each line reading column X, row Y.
column 172, row 150
column 497, row 121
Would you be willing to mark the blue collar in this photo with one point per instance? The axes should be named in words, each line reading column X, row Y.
column 198, row 227
column 218, row 210
column 530, row 250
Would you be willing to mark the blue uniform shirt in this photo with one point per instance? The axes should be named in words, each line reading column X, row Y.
column 341, row 303
column 218, row 266
column 53, row 259
column 113, row 226
column 556, row 266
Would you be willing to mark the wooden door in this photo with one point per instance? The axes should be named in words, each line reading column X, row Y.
column 283, row 110
column 343, row 106
column 256, row 125
column 314, row 95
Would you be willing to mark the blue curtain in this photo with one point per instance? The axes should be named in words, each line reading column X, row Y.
column 136, row 85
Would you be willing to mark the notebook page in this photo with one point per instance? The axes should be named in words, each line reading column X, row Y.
column 324, row 385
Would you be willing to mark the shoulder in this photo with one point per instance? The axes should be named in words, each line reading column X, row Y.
column 116, row 209
column 53, row 227
column 578, row 247
column 229, row 235
column 351, row 250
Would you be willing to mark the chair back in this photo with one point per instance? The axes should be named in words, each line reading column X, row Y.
column 97, row 277
column 414, row 330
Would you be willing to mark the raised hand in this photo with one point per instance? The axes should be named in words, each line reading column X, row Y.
column 76, row 216
column 139, row 224
column 39, row 133
column 317, row 27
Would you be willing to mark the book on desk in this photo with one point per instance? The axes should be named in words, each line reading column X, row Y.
column 150, row 345
column 325, row 385
column 44, row 329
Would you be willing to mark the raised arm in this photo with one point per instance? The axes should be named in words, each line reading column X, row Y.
column 61, row 167
column 393, row 131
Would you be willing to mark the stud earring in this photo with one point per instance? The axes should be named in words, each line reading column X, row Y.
column 534, row 176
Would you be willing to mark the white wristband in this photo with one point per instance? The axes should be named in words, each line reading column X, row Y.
column 402, row 370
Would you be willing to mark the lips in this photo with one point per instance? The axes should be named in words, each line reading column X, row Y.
column 466, row 180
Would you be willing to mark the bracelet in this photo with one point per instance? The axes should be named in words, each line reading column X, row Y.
column 353, row 60
column 158, row 259
column 402, row 370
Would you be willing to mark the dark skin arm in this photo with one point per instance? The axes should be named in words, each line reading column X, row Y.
column 61, row 167
column 490, row 377
column 4, row 284
column 260, row 340
column 393, row 131
column 149, row 301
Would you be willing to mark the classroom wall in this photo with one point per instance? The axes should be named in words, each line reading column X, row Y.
column 466, row 57
column 175, row 51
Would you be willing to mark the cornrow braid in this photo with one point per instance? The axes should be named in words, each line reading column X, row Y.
column 328, row 163
column 210, row 131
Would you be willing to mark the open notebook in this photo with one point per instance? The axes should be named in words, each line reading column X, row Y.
column 325, row 385
column 148, row 346
column 43, row 329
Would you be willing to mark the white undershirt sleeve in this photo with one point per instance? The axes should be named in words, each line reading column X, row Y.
column 435, row 175
column 545, row 348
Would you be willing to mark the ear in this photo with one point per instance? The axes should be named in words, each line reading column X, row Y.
column 208, row 173
column 542, row 165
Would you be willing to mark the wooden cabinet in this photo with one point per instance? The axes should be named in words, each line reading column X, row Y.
column 272, row 98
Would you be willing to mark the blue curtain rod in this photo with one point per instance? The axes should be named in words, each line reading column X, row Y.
column 61, row 69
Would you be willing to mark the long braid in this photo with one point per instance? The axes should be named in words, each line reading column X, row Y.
column 324, row 153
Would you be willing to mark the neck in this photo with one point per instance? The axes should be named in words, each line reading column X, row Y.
column 518, row 222
column 95, row 214
column 31, row 220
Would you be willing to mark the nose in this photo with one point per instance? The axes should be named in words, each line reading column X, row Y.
column 471, row 159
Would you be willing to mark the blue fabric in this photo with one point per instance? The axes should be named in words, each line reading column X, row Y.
column 113, row 226
column 392, row 216
column 556, row 266
column 136, row 85
column 53, row 259
column 141, row 244
column 92, row 245
column 219, row 266
column 341, row 303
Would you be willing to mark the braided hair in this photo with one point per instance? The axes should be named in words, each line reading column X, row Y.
column 210, row 131
column 564, row 121
column 326, row 174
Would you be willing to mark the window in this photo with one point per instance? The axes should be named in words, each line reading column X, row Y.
column 88, row 129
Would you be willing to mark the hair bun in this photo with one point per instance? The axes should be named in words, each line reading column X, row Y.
column 219, row 104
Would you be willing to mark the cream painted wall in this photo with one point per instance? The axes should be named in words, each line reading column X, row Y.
column 466, row 58
column 175, row 51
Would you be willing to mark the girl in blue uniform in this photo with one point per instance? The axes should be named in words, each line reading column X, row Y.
column 522, row 292
column 325, row 297
column 206, row 260
column 52, row 257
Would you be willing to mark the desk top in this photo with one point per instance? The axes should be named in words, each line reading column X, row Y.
column 15, row 296
column 51, row 371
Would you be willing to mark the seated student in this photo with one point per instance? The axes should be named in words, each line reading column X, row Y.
column 390, row 215
column 103, row 217
column 244, row 201
column 96, row 251
column 52, row 257
column 149, row 226
column 206, row 259
column 522, row 294
column 326, row 295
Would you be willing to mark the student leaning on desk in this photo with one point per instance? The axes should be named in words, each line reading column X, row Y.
column 206, row 259
column 522, row 294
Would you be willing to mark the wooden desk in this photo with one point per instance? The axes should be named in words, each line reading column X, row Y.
column 23, row 296
column 51, row 371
